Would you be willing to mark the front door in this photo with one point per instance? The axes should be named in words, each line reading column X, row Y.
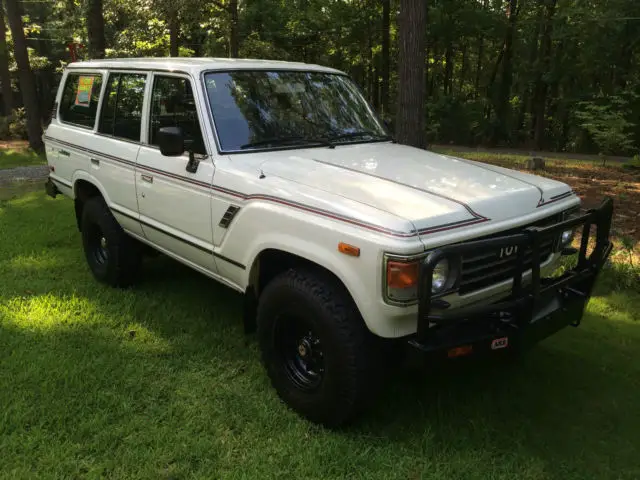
column 174, row 204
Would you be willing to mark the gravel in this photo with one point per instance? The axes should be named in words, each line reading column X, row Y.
column 39, row 172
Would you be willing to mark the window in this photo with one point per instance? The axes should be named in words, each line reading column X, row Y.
column 265, row 109
column 122, row 106
column 173, row 105
column 79, row 103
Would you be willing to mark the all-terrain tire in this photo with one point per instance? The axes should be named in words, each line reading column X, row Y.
column 319, row 303
column 113, row 257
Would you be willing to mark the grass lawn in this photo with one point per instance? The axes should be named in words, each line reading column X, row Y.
column 159, row 381
column 19, row 157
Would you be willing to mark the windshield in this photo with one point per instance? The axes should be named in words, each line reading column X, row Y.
column 269, row 109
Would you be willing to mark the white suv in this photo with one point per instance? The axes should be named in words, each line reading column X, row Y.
column 278, row 180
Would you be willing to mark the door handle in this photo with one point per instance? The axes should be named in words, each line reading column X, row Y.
column 64, row 152
column 95, row 161
column 147, row 178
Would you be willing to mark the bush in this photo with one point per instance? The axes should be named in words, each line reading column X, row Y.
column 4, row 128
column 14, row 127
column 634, row 163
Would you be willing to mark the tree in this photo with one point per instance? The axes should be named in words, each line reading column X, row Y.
column 504, row 92
column 5, row 76
column 95, row 29
column 541, row 88
column 174, row 33
column 412, row 24
column 386, row 40
column 27, row 79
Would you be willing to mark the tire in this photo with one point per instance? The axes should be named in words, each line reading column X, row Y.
column 113, row 257
column 315, row 347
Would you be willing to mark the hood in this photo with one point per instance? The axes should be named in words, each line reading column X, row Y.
column 435, row 192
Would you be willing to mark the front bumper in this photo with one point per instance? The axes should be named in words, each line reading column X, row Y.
column 531, row 312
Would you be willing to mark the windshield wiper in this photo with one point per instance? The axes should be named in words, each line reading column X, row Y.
column 361, row 133
column 275, row 141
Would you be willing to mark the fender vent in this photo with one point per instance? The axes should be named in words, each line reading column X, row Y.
column 228, row 216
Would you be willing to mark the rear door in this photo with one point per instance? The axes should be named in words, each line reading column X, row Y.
column 174, row 204
column 117, row 143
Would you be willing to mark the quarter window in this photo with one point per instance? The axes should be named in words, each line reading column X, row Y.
column 79, row 103
column 173, row 105
column 122, row 106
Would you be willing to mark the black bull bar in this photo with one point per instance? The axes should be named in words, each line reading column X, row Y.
column 531, row 312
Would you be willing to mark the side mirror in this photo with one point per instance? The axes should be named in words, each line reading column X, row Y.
column 171, row 141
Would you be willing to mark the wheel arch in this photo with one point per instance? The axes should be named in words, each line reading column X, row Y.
column 270, row 262
column 84, row 188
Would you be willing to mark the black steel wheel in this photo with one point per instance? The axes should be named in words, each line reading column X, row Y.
column 113, row 257
column 97, row 244
column 300, row 351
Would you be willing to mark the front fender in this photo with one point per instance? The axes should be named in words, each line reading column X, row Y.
column 259, row 227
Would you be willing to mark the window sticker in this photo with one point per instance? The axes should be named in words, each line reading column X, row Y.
column 83, row 96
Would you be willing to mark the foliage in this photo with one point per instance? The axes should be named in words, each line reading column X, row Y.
column 559, row 88
column 606, row 122
column 14, row 126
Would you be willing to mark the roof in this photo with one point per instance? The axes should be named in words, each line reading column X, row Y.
column 195, row 65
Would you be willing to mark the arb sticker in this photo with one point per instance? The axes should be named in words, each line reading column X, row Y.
column 83, row 95
column 499, row 343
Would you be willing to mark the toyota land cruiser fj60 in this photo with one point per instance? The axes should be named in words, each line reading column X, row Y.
column 279, row 180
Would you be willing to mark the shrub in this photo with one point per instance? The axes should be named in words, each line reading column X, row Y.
column 18, row 124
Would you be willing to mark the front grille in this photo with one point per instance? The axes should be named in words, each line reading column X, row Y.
column 484, row 267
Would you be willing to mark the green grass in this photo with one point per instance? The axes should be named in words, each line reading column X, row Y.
column 20, row 158
column 159, row 382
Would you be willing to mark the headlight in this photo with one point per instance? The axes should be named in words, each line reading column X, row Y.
column 566, row 238
column 440, row 276
column 402, row 276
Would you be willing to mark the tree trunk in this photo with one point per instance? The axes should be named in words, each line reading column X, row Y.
column 476, row 83
column 463, row 68
column 504, row 92
column 27, row 79
column 448, row 68
column 5, row 76
column 525, row 105
column 541, row 89
column 174, row 32
column 386, row 26
column 412, row 23
column 95, row 29
column 234, row 33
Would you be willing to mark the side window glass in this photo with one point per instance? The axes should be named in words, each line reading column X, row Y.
column 173, row 105
column 79, row 103
column 107, row 114
column 122, row 110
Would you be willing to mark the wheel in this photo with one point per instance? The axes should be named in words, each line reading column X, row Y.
column 113, row 257
column 315, row 347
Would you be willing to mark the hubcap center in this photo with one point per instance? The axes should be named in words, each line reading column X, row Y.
column 304, row 348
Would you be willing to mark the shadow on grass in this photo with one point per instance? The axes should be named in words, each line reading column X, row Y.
column 168, row 359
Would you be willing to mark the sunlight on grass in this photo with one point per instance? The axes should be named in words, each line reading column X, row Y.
column 20, row 158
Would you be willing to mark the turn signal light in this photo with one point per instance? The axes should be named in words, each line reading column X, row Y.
column 402, row 275
column 348, row 249
column 460, row 351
